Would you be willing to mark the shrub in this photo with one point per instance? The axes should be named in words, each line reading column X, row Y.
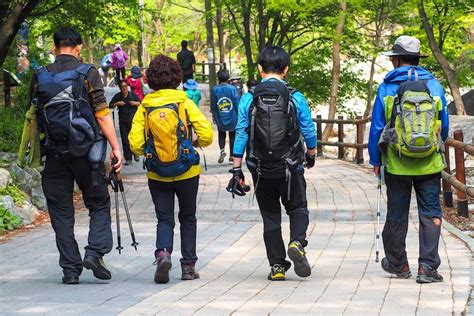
column 11, row 126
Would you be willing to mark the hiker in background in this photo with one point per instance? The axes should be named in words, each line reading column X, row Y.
column 273, row 121
column 236, row 81
column 119, row 62
column 127, row 102
column 105, row 65
column 224, row 107
column 67, row 161
column 411, row 92
column 135, row 81
column 187, row 62
column 171, row 173
column 251, row 84
column 192, row 91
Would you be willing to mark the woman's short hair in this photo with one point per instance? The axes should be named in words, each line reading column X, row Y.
column 164, row 73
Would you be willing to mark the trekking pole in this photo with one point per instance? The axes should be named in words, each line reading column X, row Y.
column 114, row 185
column 129, row 220
column 377, row 236
column 119, row 182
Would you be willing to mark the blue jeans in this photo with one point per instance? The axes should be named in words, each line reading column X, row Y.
column 163, row 194
column 399, row 189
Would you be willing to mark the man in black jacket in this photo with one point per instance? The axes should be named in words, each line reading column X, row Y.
column 187, row 61
column 61, row 170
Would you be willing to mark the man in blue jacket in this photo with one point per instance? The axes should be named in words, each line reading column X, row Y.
column 224, row 102
column 273, row 121
column 404, row 171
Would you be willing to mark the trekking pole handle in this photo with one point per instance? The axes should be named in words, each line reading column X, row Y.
column 118, row 175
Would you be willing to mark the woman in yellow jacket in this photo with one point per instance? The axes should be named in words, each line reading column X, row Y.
column 164, row 76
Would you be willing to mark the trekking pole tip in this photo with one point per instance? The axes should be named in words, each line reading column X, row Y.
column 377, row 256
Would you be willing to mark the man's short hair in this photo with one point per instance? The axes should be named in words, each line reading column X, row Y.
column 223, row 75
column 67, row 37
column 184, row 44
column 273, row 59
column 410, row 60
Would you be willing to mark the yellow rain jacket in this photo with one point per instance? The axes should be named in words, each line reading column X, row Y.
column 201, row 126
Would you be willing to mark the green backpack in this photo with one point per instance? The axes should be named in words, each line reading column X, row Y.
column 413, row 129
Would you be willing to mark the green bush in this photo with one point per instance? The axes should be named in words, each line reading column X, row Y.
column 11, row 126
column 17, row 195
column 8, row 221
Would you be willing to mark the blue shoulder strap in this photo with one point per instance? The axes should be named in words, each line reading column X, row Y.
column 78, row 88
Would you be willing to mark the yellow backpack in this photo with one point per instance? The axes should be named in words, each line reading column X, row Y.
column 168, row 141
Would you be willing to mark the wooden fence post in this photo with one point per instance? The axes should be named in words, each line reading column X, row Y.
column 340, row 137
column 360, row 141
column 460, row 175
column 319, row 134
column 447, row 192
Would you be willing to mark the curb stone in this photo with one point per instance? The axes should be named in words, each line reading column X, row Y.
column 469, row 244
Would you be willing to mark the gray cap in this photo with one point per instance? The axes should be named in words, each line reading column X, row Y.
column 405, row 46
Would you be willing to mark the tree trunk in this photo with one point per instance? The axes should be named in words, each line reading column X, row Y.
column 247, row 41
column 370, row 85
column 449, row 73
column 336, row 69
column 12, row 24
column 90, row 50
column 210, row 46
column 220, row 31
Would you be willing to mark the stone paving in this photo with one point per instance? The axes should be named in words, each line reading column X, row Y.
column 232, row 261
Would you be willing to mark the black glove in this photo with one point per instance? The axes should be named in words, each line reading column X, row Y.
column 309, row 160
column 237, row 183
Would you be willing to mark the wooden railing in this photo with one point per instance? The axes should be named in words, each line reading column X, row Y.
column 459, row 180
column 201, row 75
column 359, row 122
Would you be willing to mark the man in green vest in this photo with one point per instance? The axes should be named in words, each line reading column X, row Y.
column 409, row 122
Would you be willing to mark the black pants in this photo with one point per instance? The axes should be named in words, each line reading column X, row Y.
column 58, row 185
column 269, row 192
column 394, row 233
column 222, row 136
column 120, row 74
column 125, row 125
column 163, row 194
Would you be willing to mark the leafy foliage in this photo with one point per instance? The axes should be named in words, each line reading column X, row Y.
column 8, row 221
column 11, row 190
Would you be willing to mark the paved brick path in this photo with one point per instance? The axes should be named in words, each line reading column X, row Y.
column 232, row 262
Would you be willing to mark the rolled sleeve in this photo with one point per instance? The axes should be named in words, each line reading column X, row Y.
column 95, row 90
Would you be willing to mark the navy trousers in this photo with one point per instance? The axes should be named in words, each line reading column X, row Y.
column 163, row 194
column 427, row 189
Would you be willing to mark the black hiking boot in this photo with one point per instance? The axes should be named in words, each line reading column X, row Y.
column 277, row 273
column 70, row 280
column 98, row 267
column 402, row 272
column 427, row 274
column 298, row 256
column 163, row 266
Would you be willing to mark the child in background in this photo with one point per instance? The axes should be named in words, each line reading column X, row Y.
column 192, row 91
column 135, row 82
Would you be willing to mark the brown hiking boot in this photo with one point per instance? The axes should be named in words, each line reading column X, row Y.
column 188, row 271
column 163, row 266
column 402, row 272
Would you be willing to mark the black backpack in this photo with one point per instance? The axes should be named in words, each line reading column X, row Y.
column 275, row 146
column 64, row 114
